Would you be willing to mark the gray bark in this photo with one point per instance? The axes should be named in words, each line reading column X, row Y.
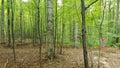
column 2, row 23
column 50, row 30
column 75, row 35
column 12, row 28
column 117, row 20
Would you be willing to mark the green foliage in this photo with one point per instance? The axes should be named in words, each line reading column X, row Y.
column 69, row 12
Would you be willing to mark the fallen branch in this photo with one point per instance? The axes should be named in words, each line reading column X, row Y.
column 5, row 64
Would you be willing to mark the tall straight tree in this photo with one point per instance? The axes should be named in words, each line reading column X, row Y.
column 8, row 16
column 85, row 53
column 75, row 30
column 109, row 17
column 62, row 38
column 2, row 23
column 39, row 31
column 55, row 27
column 117, row 20
column 63, row 27
column 21, row 22
column 101, row 30
column 50, row 29
column 75, row 35
column 12, row 28
column 45, row 6
column 84, row 35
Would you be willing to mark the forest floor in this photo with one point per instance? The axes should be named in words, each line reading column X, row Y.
column 28, row 57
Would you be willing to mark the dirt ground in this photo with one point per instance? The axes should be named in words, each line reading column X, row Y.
column 28, row 57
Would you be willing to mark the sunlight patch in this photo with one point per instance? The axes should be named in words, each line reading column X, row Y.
column 25, row 0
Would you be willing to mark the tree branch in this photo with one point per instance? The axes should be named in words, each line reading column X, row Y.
column 90, row 4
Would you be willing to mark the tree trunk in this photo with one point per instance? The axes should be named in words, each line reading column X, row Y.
column 8, row 16
column 21, row 22
column 84, row 35
column 50, row 30
column 117, row 20
column 109, row 17
column 2, row 23
column 55, row 27
column 75, row 35
column 62, row 38
column 39, row 32
column 45, row 6
column 12, row 28
column 101, row 31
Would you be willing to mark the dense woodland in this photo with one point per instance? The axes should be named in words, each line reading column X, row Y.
column 54, row 26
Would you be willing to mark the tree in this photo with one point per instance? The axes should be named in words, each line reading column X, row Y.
column 63, row 29
column 12, row 28
column 116, row 24
column 101, row 31
column 21, row 22
column 75, row 32
column 55, row 27
column 75, row 35
column 84, row 35
column 2, row 23
column 8, row 16
column 62, row 38
column 50, row 50
column 84, row 31
column 39, row 32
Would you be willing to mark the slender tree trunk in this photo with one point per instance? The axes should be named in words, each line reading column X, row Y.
column 75, row 35
column 100, row 32
column 55, row 27
column 84, row 35
column 21, row 22
column 109, row 17
column 1, row 28
column 117, row 21
column 12, row 28
column 8, row 16
column 110, row 24
column 39, row 32
column 71, row 28
column 2, row 23
column 63, row 28
column 45, row 6
column 62, row 38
